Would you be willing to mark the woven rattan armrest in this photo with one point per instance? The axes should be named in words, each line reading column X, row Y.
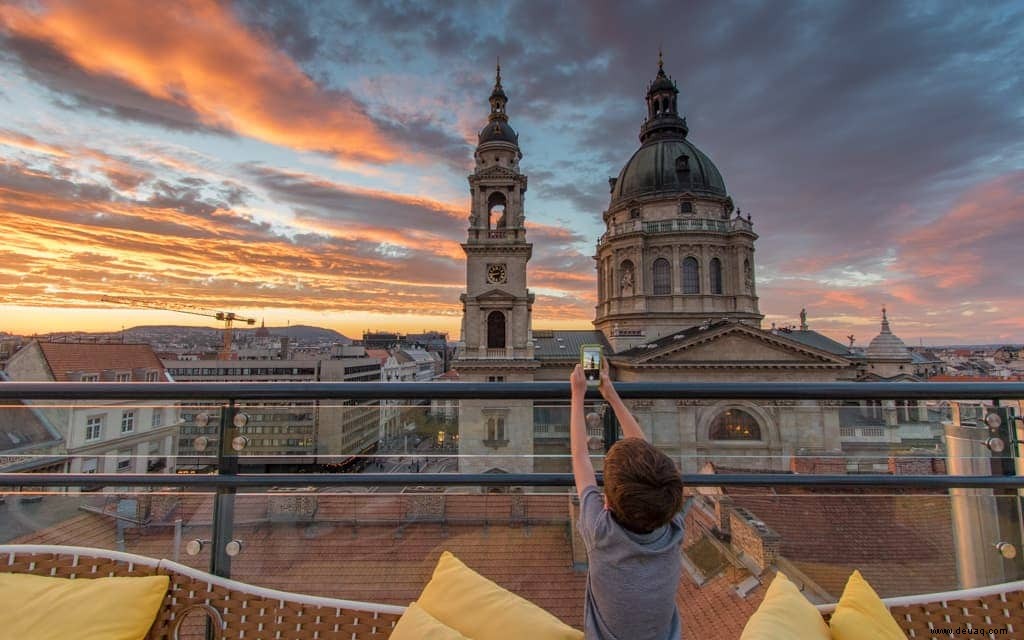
column 240, row 609
column 996, row 607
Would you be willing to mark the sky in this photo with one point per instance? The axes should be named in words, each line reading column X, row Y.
column 306, row 162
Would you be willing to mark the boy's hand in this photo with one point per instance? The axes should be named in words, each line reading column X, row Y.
column 578, row 382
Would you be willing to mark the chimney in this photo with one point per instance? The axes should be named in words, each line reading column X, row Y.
column 753, row 539
column 723, row 506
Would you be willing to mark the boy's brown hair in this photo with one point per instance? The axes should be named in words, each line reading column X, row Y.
column 642, row 485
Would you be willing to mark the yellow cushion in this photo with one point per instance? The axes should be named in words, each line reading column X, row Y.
column 478, row 608
column 861, row 614
column 44, row 608
column 785, row 613
column 417, row 624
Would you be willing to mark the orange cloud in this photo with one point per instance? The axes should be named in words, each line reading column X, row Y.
column 195, row 54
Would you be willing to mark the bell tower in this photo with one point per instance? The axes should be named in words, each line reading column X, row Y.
column 497, row 306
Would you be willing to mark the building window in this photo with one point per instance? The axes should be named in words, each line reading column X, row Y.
column 90, row 377
column 93, row 428
column 495, row 378
column 158, row 417
column 662, row 277
column 496, row 330
column 90, row 465
column 152, row 376
column 496, row 428
column 716, row 276
column 686, row 207
column 683, row 164
column 691, row 275
column 127, row 421
column 734, row 424
column 123, row 377
column 124, row 461
column 634, row 213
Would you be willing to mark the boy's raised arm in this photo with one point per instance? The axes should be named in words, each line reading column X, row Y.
column 582, row 467
column 630, row 427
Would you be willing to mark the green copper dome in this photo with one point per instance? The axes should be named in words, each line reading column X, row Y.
column 668, row 166
column 666, row 162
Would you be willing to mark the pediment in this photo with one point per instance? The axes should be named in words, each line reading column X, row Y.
column 495, row 172
column 737, row 345
column 496, row 295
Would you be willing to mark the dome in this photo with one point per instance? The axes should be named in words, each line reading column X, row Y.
column 887, row 346
column 668, row 166
column 498, row 130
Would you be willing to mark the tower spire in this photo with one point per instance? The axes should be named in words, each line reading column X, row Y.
column 497, row 75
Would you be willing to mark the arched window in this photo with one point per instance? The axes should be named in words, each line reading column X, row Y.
column 662, row 277
column 496, row 330
column 496, row 428
column 626, row 278
column 691, row 275
column 716, row 276
column 734, row 424
column 496, row 203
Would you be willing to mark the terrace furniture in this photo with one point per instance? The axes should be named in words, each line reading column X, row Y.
column 235, row 608
column 243, row 610
column 999, row 606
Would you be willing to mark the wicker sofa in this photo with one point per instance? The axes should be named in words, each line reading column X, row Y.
column 242, row 610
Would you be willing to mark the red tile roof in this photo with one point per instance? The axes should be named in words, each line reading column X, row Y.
column 902, row 544
column 66, row 358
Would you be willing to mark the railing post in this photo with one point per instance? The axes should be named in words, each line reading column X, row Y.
column 224, row 501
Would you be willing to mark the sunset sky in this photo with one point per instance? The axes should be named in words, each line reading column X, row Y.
column 306, row 163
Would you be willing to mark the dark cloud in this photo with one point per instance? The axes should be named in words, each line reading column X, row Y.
column 288, row 24
column 333, row 201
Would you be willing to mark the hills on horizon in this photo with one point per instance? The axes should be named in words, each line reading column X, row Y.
column 144, row 333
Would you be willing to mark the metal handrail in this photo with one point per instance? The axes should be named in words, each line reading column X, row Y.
column 15, row 391
column 256, row 481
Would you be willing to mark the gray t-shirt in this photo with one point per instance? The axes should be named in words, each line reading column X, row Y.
column 632, row 577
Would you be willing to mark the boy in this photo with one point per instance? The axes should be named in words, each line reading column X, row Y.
column 633, row 535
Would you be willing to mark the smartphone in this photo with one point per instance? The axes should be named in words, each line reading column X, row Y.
column 590, row 360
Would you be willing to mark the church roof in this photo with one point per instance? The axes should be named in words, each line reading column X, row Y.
column 818, row 341
column 564, row 345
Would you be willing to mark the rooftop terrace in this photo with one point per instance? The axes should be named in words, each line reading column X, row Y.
column 369, row 525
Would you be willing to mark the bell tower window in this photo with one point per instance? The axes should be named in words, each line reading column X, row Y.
column 496, row 206
column 691, row 275
column 496, row 330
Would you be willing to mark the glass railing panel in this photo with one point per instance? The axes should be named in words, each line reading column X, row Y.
column 156, row 523
column 382, row 547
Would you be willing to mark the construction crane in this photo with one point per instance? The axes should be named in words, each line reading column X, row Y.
column 229, row 318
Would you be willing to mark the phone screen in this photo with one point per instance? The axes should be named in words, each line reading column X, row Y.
column 591, row 362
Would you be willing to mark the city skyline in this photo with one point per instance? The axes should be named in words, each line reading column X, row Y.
column 306, row 163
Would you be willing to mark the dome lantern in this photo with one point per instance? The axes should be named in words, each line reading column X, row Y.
column 497, row 127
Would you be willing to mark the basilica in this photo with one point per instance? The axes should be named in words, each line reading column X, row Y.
column 676, row 301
